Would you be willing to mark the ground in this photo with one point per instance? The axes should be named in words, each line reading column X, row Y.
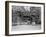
column 26, row 27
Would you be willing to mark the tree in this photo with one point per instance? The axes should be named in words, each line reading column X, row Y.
column 35, row 14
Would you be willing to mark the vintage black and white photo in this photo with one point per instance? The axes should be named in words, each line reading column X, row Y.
column 26, row 18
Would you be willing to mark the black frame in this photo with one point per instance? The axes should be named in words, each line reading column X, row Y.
column 7, row 17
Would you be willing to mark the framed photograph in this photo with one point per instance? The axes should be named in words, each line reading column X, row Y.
column 24, row 18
